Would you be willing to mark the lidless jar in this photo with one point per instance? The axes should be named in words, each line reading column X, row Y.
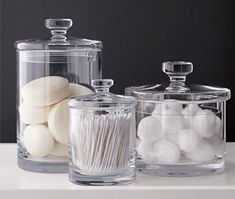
column 181, row 128
column 49, row 72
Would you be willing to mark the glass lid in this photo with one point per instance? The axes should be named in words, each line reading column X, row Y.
column 102, row 99
column 177, row 88
column 59, row 40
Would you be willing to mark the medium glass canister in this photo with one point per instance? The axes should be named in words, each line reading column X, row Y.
column 102, row 137
column 181, row 128
column 49, row 72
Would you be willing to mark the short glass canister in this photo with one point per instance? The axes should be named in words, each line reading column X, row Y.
column 49, row 72
column 102, row 137
column 181, row 128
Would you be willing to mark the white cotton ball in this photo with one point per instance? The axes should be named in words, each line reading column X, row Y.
column 205, row 152
column 189, row 112
column 166, row 151
column 218, row 126
column 217, row 143
column 172, row 121
column 204, row 122
column 188, row 140
column 173, row 138
column 159, row 110
column 146, row 151
column 173, row 104
column 149, row 129
column 38, row 140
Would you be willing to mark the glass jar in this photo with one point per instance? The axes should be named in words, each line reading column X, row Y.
column 181, row 128
column 49, row 72
column 102, row 137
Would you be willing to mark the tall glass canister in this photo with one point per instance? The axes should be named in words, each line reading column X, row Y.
column 49, row 72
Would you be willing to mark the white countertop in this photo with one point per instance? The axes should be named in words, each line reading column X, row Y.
column 16, row 183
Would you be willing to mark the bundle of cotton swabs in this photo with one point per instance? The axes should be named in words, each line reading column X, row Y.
column 102, row 142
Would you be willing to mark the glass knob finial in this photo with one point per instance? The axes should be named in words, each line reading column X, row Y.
column 177, row 72
column 102, row 85
column 58, row 28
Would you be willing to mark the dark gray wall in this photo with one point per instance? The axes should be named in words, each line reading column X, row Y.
column 138, row 36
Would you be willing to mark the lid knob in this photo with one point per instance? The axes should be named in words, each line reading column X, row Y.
column 177, row 72
column 102, row 85
column 58, row 28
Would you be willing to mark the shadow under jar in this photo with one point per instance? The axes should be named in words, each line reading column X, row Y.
column 181, row 128
column 49, row 72
column 102, row 137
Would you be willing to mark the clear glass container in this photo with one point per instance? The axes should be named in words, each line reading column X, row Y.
column 181, row 129
column 102, row 137
column 49, row 72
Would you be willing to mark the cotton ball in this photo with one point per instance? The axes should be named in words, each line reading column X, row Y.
column 204, row 122
column 38, row 140
column 159, row 110
column 149, row 129
column 172, row 121
column 217, row 143
column 173, row 138
column 205, row 152
column 173, row 104
column 191, row 110
column 188, row 140
column 166, row 151
column 218, row 126
column 146, row 151
column 188, row 113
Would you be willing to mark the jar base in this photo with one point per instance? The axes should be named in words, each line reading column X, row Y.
column 102, row 180
column 41, row 166
column 177, row 170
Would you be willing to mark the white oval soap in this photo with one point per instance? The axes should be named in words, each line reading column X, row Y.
column 38, row 140
column 45, row 91
column 78, row 89
column 58, row 122
column 60, row 150
column 34, row 114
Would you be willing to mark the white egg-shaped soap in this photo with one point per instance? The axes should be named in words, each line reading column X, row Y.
column 78, row 89
column 166, row 151
column 58, row 122
column 45, row 91
column 172, row 121
column 204, row 152
column 149, row 129
column 188, row 140
column 34, row 114
column 38, row 140
column 204, row 122
column 60, row 150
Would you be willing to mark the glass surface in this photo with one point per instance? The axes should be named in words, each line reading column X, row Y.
column 48, row 74
column 102, row 137
column 181, row 128
column 177, row 88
